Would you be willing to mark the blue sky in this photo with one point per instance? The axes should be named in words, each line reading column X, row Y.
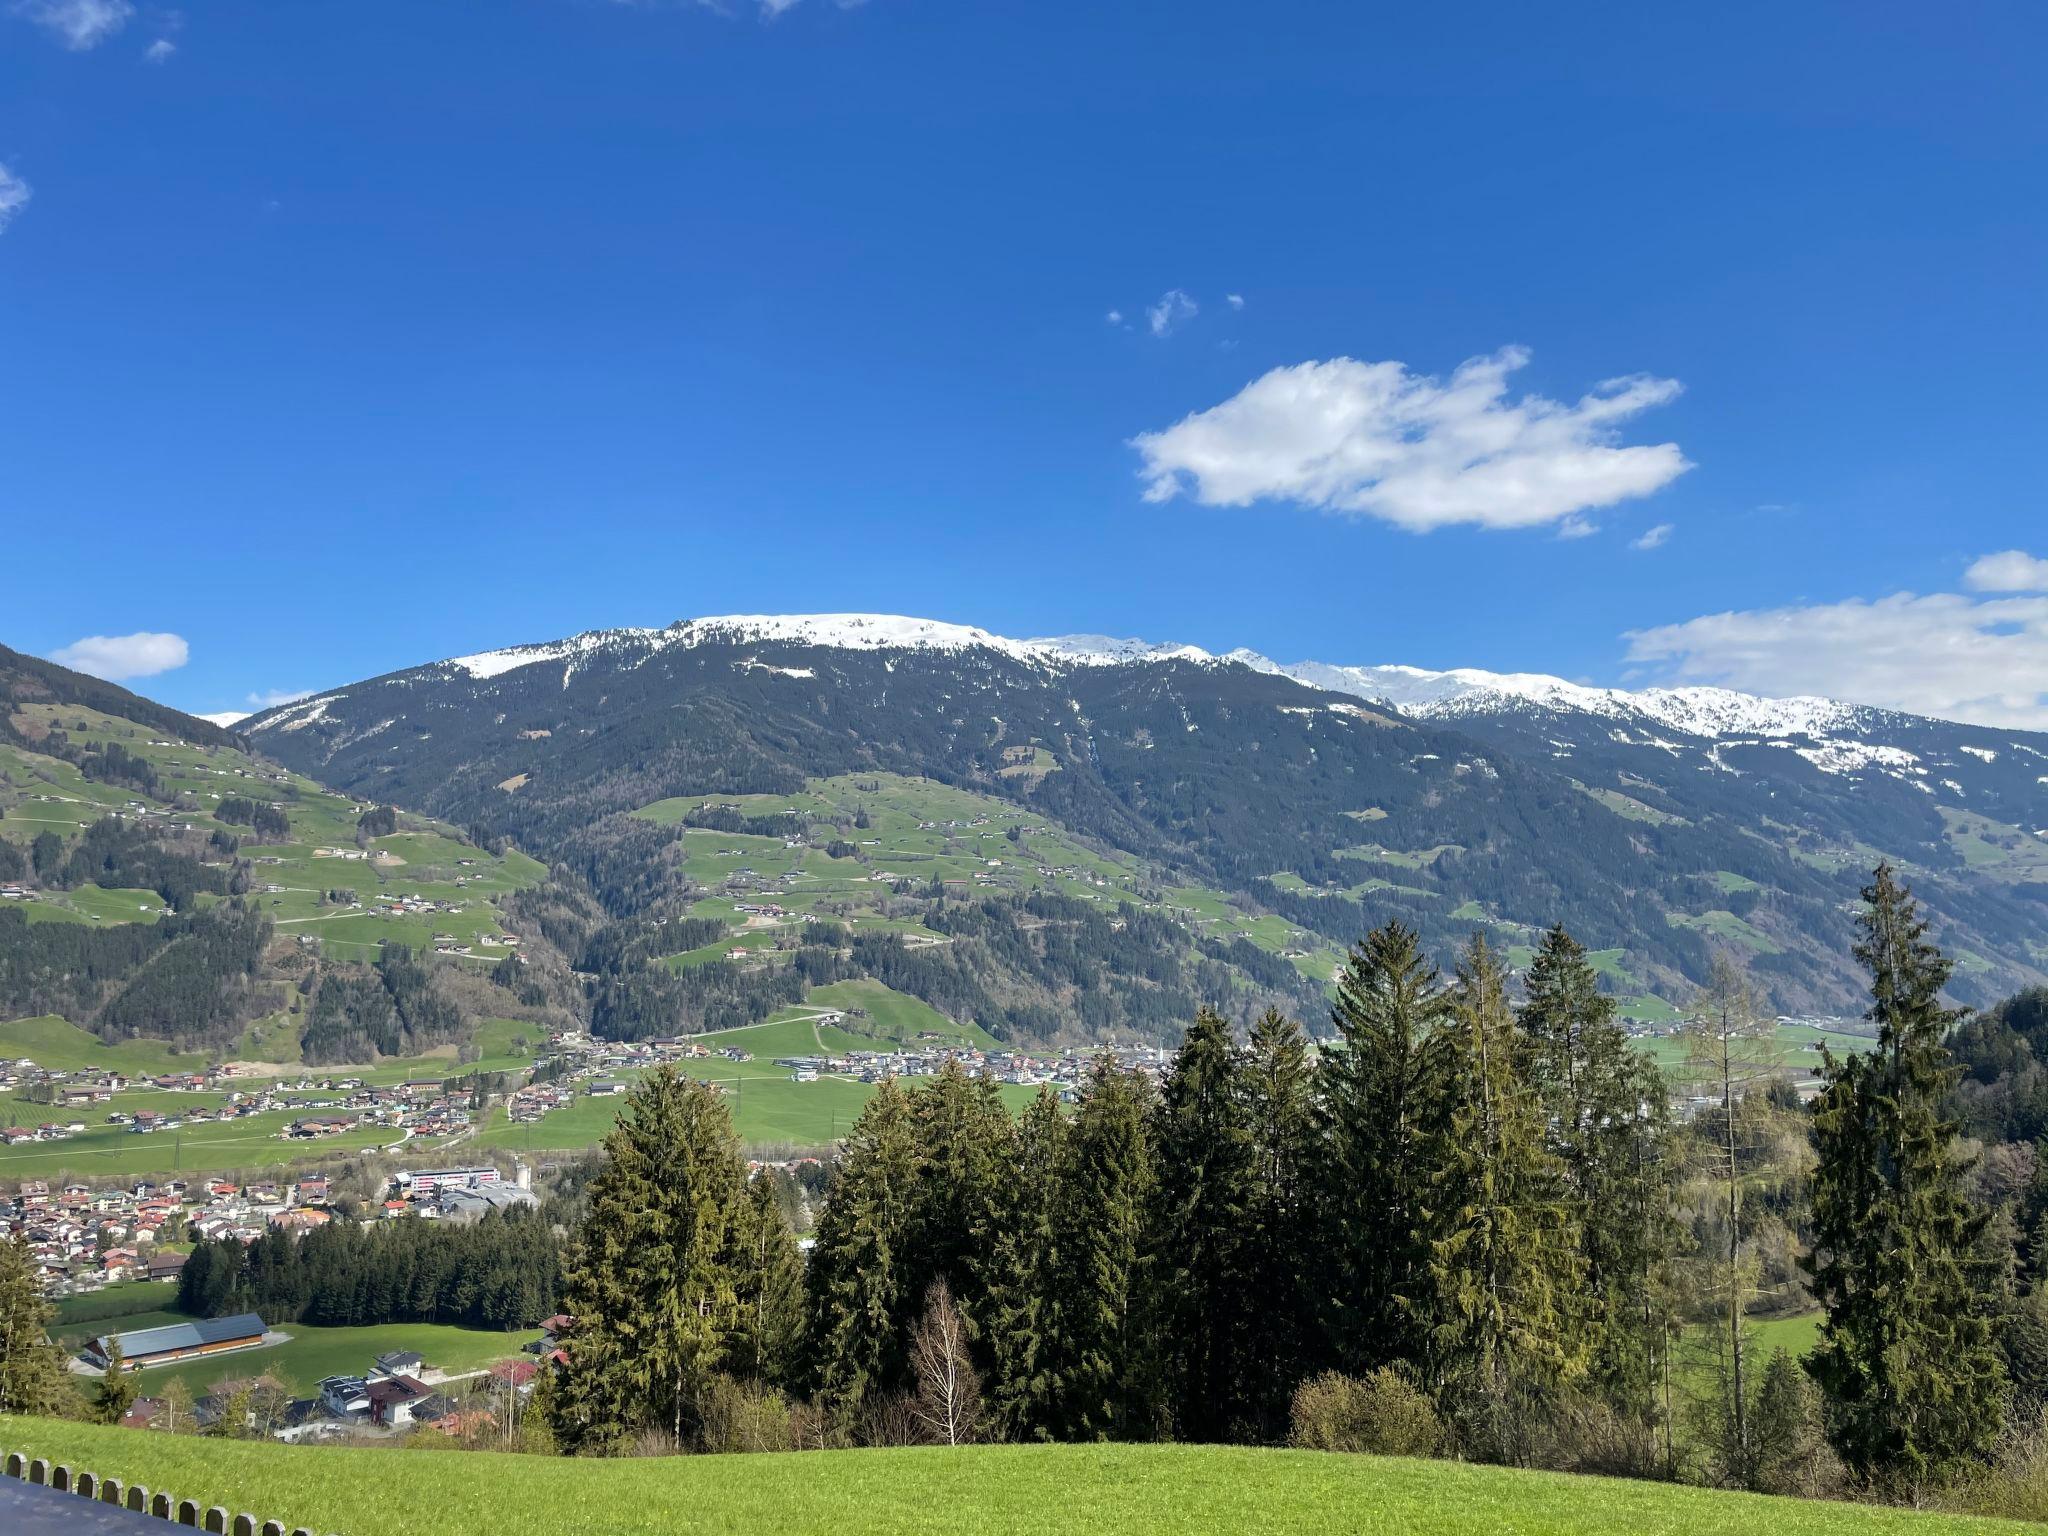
column 334, row 340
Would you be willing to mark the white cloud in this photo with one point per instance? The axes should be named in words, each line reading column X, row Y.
column 14, row 196
column 1944, row 654
column 1114, row 317
column 118, row 657
column 1374, row 440
column 1577, row 527
column 77, row 24
column 270, row 698
column 1234, row 300
column 2010, row 570
column 160, row 51
column 1652, row 538
column 1172, row 311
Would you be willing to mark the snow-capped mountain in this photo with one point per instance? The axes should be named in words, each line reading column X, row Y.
column 1656, row 821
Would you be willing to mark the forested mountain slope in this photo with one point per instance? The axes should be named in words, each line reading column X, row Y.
column 1652, row 842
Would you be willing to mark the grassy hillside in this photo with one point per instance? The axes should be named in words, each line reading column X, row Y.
column 42, row 792
column 918, row 830
column 1125, row 1490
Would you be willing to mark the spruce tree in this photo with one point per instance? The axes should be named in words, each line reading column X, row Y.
column 1202, row 1212
column 1026, row 1305
column 654, row 1276
column 1608, row 1121
column 116, row 1392
column 771, row 1282
column 1382, row 1102
column 1504, row 1261
column 32, row 1377
column 860, row 1307
column 1905, row 1358
column 1279, row 1245
column 965, row 1141
column 1109, row 1389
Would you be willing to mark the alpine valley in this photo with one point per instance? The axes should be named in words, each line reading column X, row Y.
column 1078, row 837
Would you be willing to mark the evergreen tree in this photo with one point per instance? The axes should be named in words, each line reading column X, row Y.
column 1202, row 1213
column 1905, row 1359
column 1608, row 1121
column 964, row 1144
column 32, row 1376
column 764, row 1347
column 1279, row 1244
column 1786, row 1424
column 1026, row 1306
column 655, row 1275
column 1382, row 1093
column 116, row 1392
column 1504, row 1261
column 860, row 1306
column 1109, row 1390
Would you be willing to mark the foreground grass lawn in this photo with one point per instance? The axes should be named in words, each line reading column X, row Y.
column 1000, row 1489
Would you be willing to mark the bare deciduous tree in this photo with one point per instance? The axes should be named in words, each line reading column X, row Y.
column 948, row 1400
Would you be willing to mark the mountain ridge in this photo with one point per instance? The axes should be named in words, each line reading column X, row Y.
column 1428, row 692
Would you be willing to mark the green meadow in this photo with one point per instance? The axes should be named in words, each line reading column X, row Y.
column 1073, row 1490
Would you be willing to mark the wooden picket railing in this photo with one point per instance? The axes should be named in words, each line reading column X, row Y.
column 139, row 1500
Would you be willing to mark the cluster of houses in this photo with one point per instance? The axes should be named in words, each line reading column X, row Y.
column 1064, row 1072
column 396, row 1393
column 83, row 1240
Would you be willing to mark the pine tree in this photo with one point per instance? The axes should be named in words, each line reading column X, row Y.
column 860, row 1306
column 964, row 1143
column 1608, row 1122
column 116, row 1392
column 1109, row 1390
column 1382, row 1098
column 654, row 1277
column 1201, row 1216
column 32, row 1378
column 1786, row 1426
column 1279, row 1244
column 1905, row 1359
column 771, row 1283
column 1504, row 1261
column 1026, row 1306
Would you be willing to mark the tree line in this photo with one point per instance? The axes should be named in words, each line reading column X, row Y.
column 1458, row 1225
column 502, row 1271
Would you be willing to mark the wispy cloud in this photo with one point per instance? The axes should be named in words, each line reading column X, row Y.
column 1114, row 317
column 1234, row 300
column 2010, row 570
column 160, row 51
column 1375, row 440
column 1946, row 654
column 1653, row 538
column 14, row 196
column 77, row 24
column 1173, row 310
column 270, row 698
column 119, row 657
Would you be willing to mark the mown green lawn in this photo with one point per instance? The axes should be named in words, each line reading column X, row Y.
column 1092, row 1490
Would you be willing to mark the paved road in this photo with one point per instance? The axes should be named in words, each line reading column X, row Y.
column 26, row 1510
